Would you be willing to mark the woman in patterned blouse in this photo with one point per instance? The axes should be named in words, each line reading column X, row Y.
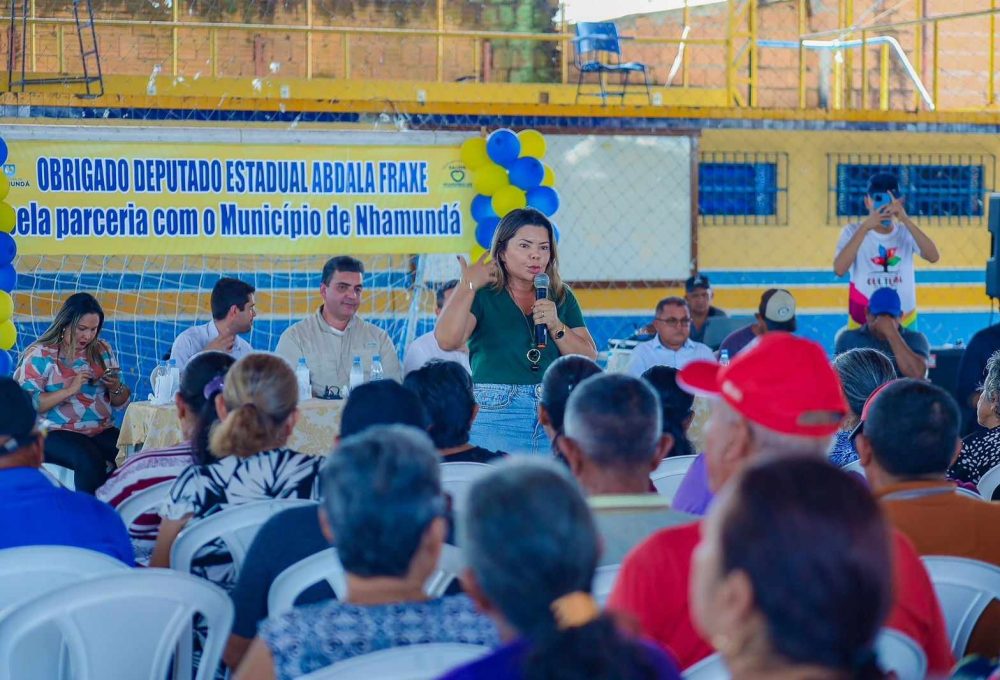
column 981, row 449
column 258, row 409
column 75, row 382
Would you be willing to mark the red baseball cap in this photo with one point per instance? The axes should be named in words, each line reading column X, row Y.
column 781, row 382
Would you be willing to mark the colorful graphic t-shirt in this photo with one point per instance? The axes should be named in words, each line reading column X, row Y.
column 89, row 411
column 883, row 261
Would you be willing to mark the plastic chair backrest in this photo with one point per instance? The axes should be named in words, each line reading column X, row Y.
column 989, row 482
column 235, row 526
column 717, row 328
column 965, row 588
column 411, row 662
column 855, row 466
column 62, row 475
column 325, row 566
column 667, row 477
column 962, row 491
column 604, row 582
column 148, row 500
column 121, row 625
column 597, row 36
column 899, row 654
column 457, row 478
column 896, row 652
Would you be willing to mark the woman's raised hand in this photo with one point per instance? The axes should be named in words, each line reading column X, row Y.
column 480, row 273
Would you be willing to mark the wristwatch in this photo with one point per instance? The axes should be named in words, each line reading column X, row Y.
column 558, row 335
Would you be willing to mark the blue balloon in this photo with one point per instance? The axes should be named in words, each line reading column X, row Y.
column 527, row 173
column 545, row 199
column 8, row 277
column 503, row 147
column 6, row 363
column 3, row 151
column 8, row 249
column 482, row 208
column 484, row 231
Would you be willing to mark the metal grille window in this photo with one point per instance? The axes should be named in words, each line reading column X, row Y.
column 743, row 188
column 948, row 187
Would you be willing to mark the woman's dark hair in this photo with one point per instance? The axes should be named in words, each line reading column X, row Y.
column 829, row 618
column 445, row 389
column 677, row 407
column 558, row 383
column 62, row 331
column 530, row 539
column 195, row 378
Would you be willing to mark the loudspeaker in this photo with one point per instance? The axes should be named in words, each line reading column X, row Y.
column 993, row 264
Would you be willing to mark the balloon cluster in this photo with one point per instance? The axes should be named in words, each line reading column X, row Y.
column 8, row 251
column 508, row 174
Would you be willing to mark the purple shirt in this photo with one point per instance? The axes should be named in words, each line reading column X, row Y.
column 507, row 663
column 693, row 495
column 737, row 340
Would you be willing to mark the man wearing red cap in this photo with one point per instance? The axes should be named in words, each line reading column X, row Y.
column 780, row 397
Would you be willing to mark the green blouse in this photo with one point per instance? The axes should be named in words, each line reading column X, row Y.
column 504, row 334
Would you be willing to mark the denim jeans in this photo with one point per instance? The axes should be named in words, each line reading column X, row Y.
column 508, row 419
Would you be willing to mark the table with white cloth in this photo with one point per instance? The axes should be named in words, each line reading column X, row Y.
column 150, row 426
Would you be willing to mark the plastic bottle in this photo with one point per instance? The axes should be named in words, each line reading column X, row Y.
column 357, row 373
column 159, row 380
column 302, row 377
column 377, row 372
column 173, row 379
column 724, row 357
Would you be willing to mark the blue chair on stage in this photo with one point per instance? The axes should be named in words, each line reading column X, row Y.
column 599, row 50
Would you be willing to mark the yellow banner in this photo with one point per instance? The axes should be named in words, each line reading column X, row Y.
column 199, row 198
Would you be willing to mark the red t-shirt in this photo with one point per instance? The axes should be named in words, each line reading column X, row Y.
column 653, row 586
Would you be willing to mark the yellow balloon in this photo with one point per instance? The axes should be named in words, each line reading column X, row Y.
column 4, row 186
column 8, row 334
column 473, row 153
column 489, row 179
column 532, row 143
column 477, row 252
column 8, row 217
column 6, row 306
column 508, row 198
column 549, row 178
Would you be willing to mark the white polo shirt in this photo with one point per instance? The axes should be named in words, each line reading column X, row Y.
column 654, row 353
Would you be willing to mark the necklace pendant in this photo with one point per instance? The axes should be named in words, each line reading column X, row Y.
column 534, row 358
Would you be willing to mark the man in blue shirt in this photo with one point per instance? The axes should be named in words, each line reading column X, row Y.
column 35, row 511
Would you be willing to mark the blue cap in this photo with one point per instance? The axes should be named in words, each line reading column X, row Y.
column 885, row 301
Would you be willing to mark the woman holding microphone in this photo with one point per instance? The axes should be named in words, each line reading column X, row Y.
column 494, row 309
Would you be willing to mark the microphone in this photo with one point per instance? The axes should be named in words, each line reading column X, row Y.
column 541, row 292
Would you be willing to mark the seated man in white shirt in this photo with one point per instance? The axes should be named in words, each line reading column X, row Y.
column 672, row 345
column 331, row 338
column 233, row 311
column 426, row 348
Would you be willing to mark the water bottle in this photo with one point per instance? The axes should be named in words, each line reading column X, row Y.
column 724, row 357
column 377, row 372
column 357, row 373
column 159, row 380
column 173, row 379
column 302, row 377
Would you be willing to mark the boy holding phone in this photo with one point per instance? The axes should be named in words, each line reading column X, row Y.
column 878, row 252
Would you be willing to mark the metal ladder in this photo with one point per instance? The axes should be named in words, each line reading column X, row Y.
column 83, row 17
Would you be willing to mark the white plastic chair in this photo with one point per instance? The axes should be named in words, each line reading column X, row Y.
column 326, row 566
column 411, row 662
column 965, row 588
column 62, row 476
column 989, row 482
column 667, row 477
column 236, row 527
column 148, row 500
column 896, row 652
column 124, row 625
column 457, row 478
column 604, row 582
column 962, row 491
column 855, row 466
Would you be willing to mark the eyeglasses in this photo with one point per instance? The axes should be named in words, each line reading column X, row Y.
column 673, row 323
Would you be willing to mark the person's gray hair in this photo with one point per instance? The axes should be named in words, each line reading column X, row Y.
column 381, row 490
column 768, row 442
column 615, row 418
column 862, row 371
column 991, row 383
column 529, row 538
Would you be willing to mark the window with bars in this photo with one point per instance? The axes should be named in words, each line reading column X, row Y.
column 742, row 188
column 947, row 187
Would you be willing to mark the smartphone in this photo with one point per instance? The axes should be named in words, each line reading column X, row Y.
column 880, row 199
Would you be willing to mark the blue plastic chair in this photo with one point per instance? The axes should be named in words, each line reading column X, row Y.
column 599, row 50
